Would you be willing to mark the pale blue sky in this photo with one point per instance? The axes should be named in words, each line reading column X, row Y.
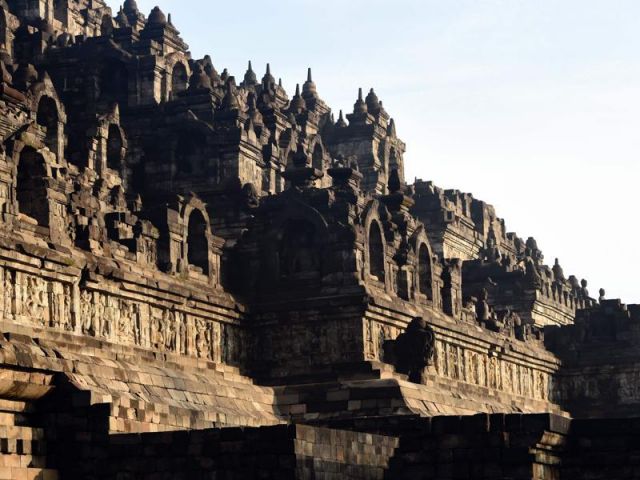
column 533, row 106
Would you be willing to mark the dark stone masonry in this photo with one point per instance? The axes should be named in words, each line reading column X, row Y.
column 205, row 278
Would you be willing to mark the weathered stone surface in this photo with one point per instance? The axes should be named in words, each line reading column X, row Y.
column 281, row 452
column 200, row 274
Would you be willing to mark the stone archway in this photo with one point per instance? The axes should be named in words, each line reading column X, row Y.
column 31, row 187
column 197, row 241
column 376, row 252
column 179, row 80
column 425, row 280
column 115, row 146
column 48, row 118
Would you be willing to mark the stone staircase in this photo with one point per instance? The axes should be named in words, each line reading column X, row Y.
column 22, row 446
column 374, row 389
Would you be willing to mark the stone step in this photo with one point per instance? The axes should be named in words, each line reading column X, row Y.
column 22, row 433
column 13, row 460
column 27, row 473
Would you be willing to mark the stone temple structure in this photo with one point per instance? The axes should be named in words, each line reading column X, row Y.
column 205, row 277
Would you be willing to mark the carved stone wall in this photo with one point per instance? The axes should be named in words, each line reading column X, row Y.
column 52, row 295
column 466, row 354
column 599, row 354
column 181, row 250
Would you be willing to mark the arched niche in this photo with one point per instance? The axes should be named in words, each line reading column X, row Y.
column 31, row 186
column 318, row 157
column 48, row 118
column 376, row 251
column 179, row 79
column 393, row 159
column 106, row 25
column 115, row 148
column 425, row 272
column 197, row 241
column 284, row 141
column 299, row 251
column 403, row 285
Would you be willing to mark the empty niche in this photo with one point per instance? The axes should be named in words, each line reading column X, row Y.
column 47, row 118
column 31, row 186
column 376, row 252
column 115, row 148
column 425, row 281
column 179, row 79
column 197, row 242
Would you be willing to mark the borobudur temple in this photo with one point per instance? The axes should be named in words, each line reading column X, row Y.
column 204, row 277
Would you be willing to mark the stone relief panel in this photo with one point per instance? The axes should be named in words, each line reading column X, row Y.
column 4, row 198
column 297, row 341
column 463, row 364
column 8, row 294
column 147, row 251
column 31, row 300
column 375, row 336
column 34, row 301
column 620, row 387
column 60, row 306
